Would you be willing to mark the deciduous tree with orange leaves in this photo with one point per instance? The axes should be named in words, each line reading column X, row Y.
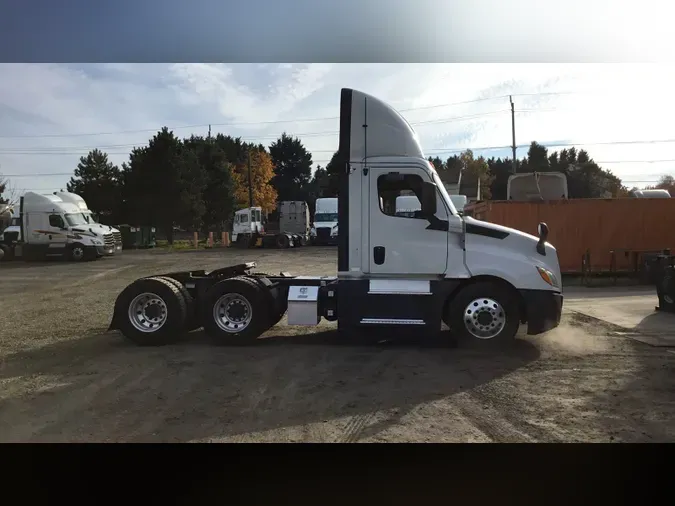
column 262, row 172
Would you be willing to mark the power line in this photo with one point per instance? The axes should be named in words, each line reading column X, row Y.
column 245, row 138
column 79, row 149
column 275, row 122
column 85, row 150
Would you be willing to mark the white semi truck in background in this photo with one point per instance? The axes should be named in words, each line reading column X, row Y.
column 75, row 199
column 49, row 227
column 325, row 227
column 483, row 280
column 292, row 230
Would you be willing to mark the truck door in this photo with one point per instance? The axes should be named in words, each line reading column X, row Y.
column 403, row 244
column 57, row 234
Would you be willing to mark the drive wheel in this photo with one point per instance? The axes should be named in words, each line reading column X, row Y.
column 484, row 315
column 192, row 320
column 235, row 312
column 282, row 241
column 151, row 312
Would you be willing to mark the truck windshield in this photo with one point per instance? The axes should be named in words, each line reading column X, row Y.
column 76, row 219
column 325, row 217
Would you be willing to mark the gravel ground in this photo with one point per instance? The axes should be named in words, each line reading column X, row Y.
column 64, row 378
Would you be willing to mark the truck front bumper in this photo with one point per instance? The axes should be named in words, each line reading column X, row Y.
column 105, row 250
column 543, row 309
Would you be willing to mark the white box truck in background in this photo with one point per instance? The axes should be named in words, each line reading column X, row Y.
column 325, row 227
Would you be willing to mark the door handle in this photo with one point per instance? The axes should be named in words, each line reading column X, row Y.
column 378, row 255
column 50, row 237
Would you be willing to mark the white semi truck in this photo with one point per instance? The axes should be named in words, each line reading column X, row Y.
column 293, row 227
column 483, row 280
column 325, row 227
column 49, row 227
column 74, row 198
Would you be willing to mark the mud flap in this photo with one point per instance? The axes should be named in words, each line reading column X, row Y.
column 114, row 323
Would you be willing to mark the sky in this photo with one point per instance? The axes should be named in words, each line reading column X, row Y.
column 51, row 114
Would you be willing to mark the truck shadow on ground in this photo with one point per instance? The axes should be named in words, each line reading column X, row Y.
column 312, row 386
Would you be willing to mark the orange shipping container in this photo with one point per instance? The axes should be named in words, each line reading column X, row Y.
column 595, row 225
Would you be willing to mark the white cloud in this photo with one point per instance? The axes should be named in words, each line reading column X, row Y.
column 52, row 103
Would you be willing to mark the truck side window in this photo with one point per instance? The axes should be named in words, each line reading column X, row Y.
column 244, row 218
column 236, row 218
column 393, row 185
column 55, row 220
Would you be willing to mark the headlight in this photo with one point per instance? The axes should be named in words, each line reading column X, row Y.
column 549, row 277
column 335, row 230
column 312, row 231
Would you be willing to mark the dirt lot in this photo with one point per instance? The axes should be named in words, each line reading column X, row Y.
column 65, row 379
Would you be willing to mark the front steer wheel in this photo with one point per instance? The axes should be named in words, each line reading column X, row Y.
column 235, row 312
column 151, row 312
column 80, row 253
column 484, row 315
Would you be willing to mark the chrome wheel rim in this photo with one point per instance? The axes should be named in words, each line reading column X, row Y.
column 147, row 312
column 232, row 313
column 484, row 318
column 78, row 253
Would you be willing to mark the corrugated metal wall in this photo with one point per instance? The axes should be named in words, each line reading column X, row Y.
column 597, row 225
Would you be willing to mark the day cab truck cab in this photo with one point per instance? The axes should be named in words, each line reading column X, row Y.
column 49, row 227
column 292, row 230
column 75, row 199
column 247, row 227
column 393, row 272
column 325, row 227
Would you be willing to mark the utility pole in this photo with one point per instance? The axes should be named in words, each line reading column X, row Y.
column 209, row 131
column 513, row 134
column 250, row 182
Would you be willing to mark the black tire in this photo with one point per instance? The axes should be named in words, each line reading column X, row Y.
column 667, row 291
column 257, row 310
column 192, row 319
column 176, row 312
column 6, row 253
column 303, row 240
column 276, row 312
column 79, row 253
column 282, row 241
column 483, row 295
column 241, row 242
